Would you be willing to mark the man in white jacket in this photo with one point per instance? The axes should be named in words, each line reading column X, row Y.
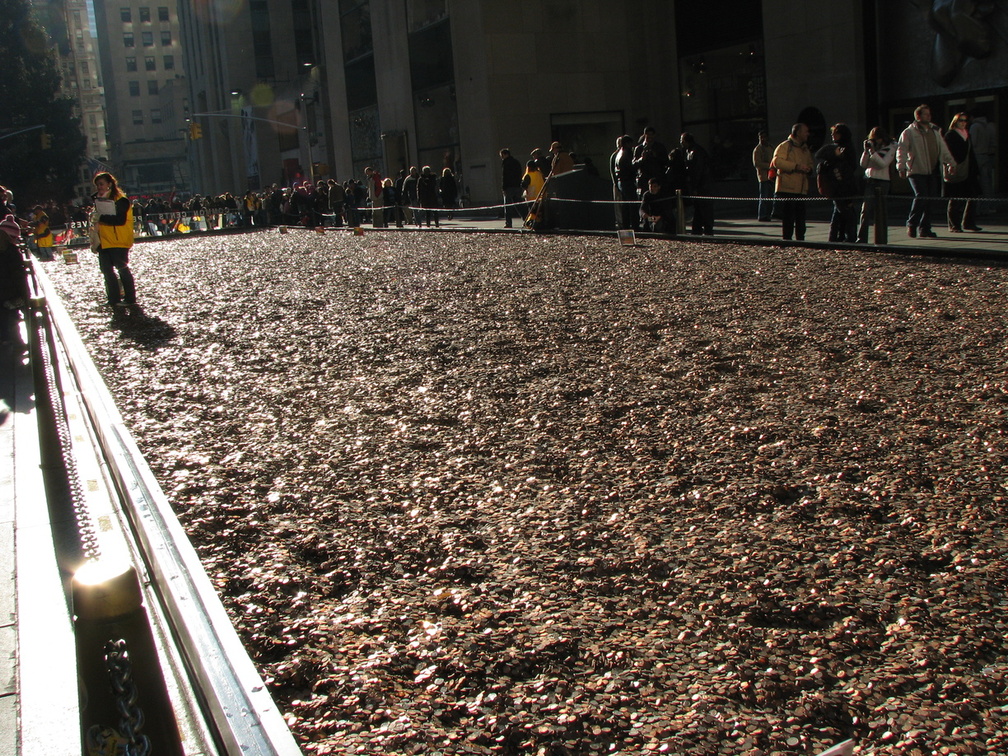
column 920, row 155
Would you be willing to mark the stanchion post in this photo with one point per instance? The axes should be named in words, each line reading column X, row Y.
column 108, row 608
column 881, row 221
column 680, row 220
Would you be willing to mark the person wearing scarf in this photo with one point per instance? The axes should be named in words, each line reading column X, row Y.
column 963, row 186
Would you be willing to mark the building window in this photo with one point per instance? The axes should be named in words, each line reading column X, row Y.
column 126, row 15
column 162, row 13
column 134, row 88
column 152, row 87
column 149, row 64
column 147, row 38
column 166, row 38
column 155, row 115
column 355, row 28
column 169, row 62
column 262, row 44
column 131, row 64
column 84, row 67
column 145, row 15
column 87, row 83
column 138, row 118
column 128, row 39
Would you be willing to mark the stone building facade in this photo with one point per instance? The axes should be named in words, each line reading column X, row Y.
column 302, row 89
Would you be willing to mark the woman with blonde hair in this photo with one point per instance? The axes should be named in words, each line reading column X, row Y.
column 113, row 222
column 962, row 185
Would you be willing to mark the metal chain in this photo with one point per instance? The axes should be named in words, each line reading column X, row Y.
column 120, row 670
column 90, row 544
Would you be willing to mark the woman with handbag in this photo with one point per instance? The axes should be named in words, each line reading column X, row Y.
column 961, row 186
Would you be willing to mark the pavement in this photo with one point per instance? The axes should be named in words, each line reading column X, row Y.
column 38, row 690
column 989, row 243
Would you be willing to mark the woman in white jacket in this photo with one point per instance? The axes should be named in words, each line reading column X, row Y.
column 876, row 160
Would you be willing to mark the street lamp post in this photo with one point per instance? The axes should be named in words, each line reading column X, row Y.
column 307, row 130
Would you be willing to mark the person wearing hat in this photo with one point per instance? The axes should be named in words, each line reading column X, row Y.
column 543, row 161
column 114, row 239
column 562, row 160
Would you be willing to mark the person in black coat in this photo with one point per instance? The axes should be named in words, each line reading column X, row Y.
column 657, row 209
column 427, row 193
column 448, row 187
column 511, row 185
column 698, row 174
column 837, row 178
column 963, row 185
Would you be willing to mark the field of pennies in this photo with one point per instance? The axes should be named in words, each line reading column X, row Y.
column 524, row 494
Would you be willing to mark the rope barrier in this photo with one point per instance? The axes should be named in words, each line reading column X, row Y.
column 171, row 223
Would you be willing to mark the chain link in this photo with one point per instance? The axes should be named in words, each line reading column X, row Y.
column 90, row 544
column 120, row 670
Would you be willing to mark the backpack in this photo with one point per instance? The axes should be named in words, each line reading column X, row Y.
column 829, row 177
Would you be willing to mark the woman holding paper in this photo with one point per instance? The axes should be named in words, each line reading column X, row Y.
column 114, row 240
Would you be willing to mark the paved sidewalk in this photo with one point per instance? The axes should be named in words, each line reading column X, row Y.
column 38, row 691
column 990, row 242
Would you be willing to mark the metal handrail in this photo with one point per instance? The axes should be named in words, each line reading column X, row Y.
column 234, row 698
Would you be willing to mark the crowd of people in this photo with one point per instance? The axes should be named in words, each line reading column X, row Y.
column 648, row 179
column 935, row 164
column 331, row 203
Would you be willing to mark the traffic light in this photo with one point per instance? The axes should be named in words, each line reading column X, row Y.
column 46, row 141
column 195, row 131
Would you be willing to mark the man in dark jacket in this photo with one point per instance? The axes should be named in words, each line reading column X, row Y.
column 511, row 178
column 698, row 173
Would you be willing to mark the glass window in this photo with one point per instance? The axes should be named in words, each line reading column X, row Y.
column 128, row 39
column 169, row 62
column 355, row 27
column 147, row 38
column 423, row 13
column 134, row 88
column 84, row 67
column 87, row 83
column 149, row 64
column 155, row 115
column 126, row 15
column 152, row 87
column 138, row 118
column 131, row 64
column 162, row 13
column 430, row 54
column 145, row 15
column 361, row 87
column 166, row 38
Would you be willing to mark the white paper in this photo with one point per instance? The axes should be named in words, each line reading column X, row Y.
column 105, row 206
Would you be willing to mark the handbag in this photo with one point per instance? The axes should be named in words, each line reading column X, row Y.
column 961, row 169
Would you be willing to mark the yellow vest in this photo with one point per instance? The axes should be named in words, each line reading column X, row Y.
column 535, row 186
column 117, row 237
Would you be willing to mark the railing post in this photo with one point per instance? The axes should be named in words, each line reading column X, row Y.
column 881, row 221
column 680, row 213
column 108, row 606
